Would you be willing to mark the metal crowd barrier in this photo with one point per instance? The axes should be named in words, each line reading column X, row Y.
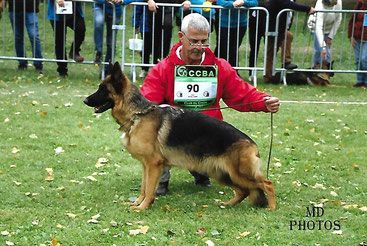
column 132, row 58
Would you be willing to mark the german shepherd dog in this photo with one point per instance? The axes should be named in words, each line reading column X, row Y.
column 159, row 136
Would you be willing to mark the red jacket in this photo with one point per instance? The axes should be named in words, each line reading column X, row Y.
column 355, row 26
column 236, row 93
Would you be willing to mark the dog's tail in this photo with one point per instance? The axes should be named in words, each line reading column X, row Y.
column 257, row 198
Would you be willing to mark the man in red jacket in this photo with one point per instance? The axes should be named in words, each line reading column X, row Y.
column 192, row 77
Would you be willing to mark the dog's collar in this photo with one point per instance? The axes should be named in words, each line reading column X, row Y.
column 126, row 127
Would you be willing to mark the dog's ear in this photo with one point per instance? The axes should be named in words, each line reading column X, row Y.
column 119, row 81
column 110, row 68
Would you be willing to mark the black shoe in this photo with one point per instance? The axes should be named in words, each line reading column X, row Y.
column 22, row 67
column 162, row 189
column 39, row 69
column 63, row 75
column 290, row 66
column 201, row 179
column 98, row 58
column 76, row 57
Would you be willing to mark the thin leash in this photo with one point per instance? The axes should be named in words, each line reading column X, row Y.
column 271, row 130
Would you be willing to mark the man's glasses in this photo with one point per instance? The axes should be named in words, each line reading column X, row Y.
column 197, row 43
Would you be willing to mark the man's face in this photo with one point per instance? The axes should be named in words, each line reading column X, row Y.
column 194, row 43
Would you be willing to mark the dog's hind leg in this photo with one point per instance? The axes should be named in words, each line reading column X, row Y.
column 153, row 170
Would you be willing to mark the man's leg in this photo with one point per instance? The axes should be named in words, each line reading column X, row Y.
column 33, row 34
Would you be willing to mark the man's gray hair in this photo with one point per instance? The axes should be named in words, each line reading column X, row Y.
column 195, row 21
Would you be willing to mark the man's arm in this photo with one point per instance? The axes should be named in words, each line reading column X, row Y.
column 153, row 87
column 242, row 96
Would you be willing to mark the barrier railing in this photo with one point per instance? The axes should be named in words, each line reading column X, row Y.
column 302, row 46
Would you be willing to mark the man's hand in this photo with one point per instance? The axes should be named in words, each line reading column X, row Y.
column 238, row 3
column 312, row 11
column 353, row 42
column 186, row 5
column 152, row 6
column 272, row 104
column 61, row 3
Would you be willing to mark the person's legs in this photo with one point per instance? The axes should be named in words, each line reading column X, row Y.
column 77, row 24
column 60, row 37
column 256, row 31
column 317, row 51
column 360, row 54
column 98, row 32
column 33, row 34
column 269, row 60
column 163, row 182
column 236, row 36
column 17, row 23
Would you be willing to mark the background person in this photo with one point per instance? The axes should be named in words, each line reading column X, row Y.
column 356, row 27
column 193, row 49
column 59, row 24
column 325, row 27
column 274, row 7
column 22, row 12
column 232, row 28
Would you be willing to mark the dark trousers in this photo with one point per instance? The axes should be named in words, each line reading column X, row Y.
column 162, row 33
column 75, row 23
column 230, row 40
column 147, row 37
column 256, row 32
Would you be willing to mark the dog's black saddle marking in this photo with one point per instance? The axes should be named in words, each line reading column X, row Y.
column 200, row 135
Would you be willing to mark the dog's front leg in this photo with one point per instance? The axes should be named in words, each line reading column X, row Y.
column 153, row 171
column 142, row 188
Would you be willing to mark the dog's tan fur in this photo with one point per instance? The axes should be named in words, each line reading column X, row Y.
column 145, row 130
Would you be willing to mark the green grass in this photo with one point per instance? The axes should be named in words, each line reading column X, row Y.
column 313, row 144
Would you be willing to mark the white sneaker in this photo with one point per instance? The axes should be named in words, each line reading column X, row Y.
column 142, row 74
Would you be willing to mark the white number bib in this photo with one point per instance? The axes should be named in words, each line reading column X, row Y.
column 195, row 86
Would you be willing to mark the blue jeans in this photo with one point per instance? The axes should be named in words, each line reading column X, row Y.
column 317, row 51
column 360, row 54
column 30, row 19
column 99, row 19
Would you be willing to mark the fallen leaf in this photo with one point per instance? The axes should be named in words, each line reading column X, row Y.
column 71, row 215
column 59, row 150
column 101, row 162
column 349, row 206
column 338, row 232
column 333, row 193
column 209, row 243
column 201, row 231
column 54, row 242
column 50, row 174
column 243, row 234
column 91, row 178
column 17, row 183
column 364, row 209
column 319, row 186
column 141, row 230
column 96, row 217
column 5, row 233
column 215, row 233
column 33, row 136
column 9, row 243
column 113, row 223
column 15, row 150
